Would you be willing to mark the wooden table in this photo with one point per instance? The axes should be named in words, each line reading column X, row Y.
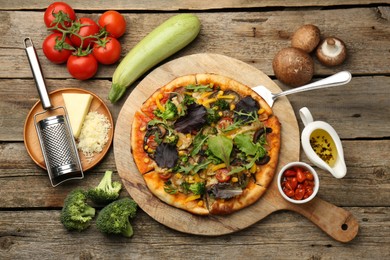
column 250, row 31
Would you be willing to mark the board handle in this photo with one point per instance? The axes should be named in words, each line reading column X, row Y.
column 338, row 223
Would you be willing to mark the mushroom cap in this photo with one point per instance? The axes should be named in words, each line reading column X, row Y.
column 331, row 51
column 293, row 66
column 306, row 38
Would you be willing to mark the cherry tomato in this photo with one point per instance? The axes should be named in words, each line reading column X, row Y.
column 299, row 193
column 222, row 175
column 113, row 22
column 59, row 12
column 86, row 27
column 151, row 142
column 165, row 176
column 224, row 122
column 82, row 67
column 293, row 183
column 309, row 176
column 289, row 193
column 290, row 173
column 55, row 49
column 107, row 51
column 301, row 177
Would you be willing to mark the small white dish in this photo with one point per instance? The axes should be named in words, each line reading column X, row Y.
column 305, row 166
column 322, row 145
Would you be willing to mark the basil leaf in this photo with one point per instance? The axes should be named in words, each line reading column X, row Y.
column 193, row 121
column 221, row 147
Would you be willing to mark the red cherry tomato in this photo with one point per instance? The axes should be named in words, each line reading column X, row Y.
column 290, row 173
column 224, row 122
column 55, row 49
column 151, row 142
column 301, row 177
column 113, row 22
column 82, row 67
column 86, row 28
column 222, row 175
column 59, row 12
column 293, row 183
column 289, row 193
column 309, row 176
column 299, row 193
column 107, row 51
column 165, row 176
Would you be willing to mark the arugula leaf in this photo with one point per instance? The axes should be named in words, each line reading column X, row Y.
column 170, row 137
column 238, row 121
column 199, row 140
column 236, row 170
column 194, row 168
column 221, row 146
column 253, row 151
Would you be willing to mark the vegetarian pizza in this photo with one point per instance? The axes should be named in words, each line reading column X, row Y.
column 206, row 144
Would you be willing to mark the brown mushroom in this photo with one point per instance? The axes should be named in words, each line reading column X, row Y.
column 306, row 38
column 331, row 51
column 293, row 66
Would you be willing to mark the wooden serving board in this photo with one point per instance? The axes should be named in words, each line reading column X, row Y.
column 336, row 222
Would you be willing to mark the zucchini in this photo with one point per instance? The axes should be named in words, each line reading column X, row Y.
column 165, row 40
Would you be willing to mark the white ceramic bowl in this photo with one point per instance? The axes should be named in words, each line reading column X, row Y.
column 307, row 167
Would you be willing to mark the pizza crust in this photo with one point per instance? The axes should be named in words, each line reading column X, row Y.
column 227, row 206
column 141, row 158
column 178, row 200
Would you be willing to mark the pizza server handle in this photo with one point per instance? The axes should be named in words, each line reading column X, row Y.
column 37, row 73
column 337, row 222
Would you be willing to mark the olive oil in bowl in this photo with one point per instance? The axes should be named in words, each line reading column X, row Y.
column 324, row 146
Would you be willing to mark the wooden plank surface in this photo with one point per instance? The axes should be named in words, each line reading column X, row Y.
column 264, row 34
column 350, row 109
column 38, row 234
column 177, row 5
column 251, row 31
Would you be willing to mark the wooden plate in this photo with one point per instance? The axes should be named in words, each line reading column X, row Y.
column 328, row 217
column 31, row 140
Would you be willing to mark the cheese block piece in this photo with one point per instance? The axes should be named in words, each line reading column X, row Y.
column 77, row 106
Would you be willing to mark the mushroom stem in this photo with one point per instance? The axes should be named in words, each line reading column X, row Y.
column 332, row 47
column 331, row 51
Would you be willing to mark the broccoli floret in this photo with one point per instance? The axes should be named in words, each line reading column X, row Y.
column 76, row 213
column 106, row 192
column 222, row 104
column 114, row 218
column 170, row 111
column 198, row 188
column 212, row 116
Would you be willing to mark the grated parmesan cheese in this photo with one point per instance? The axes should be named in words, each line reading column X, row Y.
column 94, row 134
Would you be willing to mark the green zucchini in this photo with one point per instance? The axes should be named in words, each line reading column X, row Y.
column 165, row 40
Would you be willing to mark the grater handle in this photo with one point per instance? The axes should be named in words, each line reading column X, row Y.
column 37, row 73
